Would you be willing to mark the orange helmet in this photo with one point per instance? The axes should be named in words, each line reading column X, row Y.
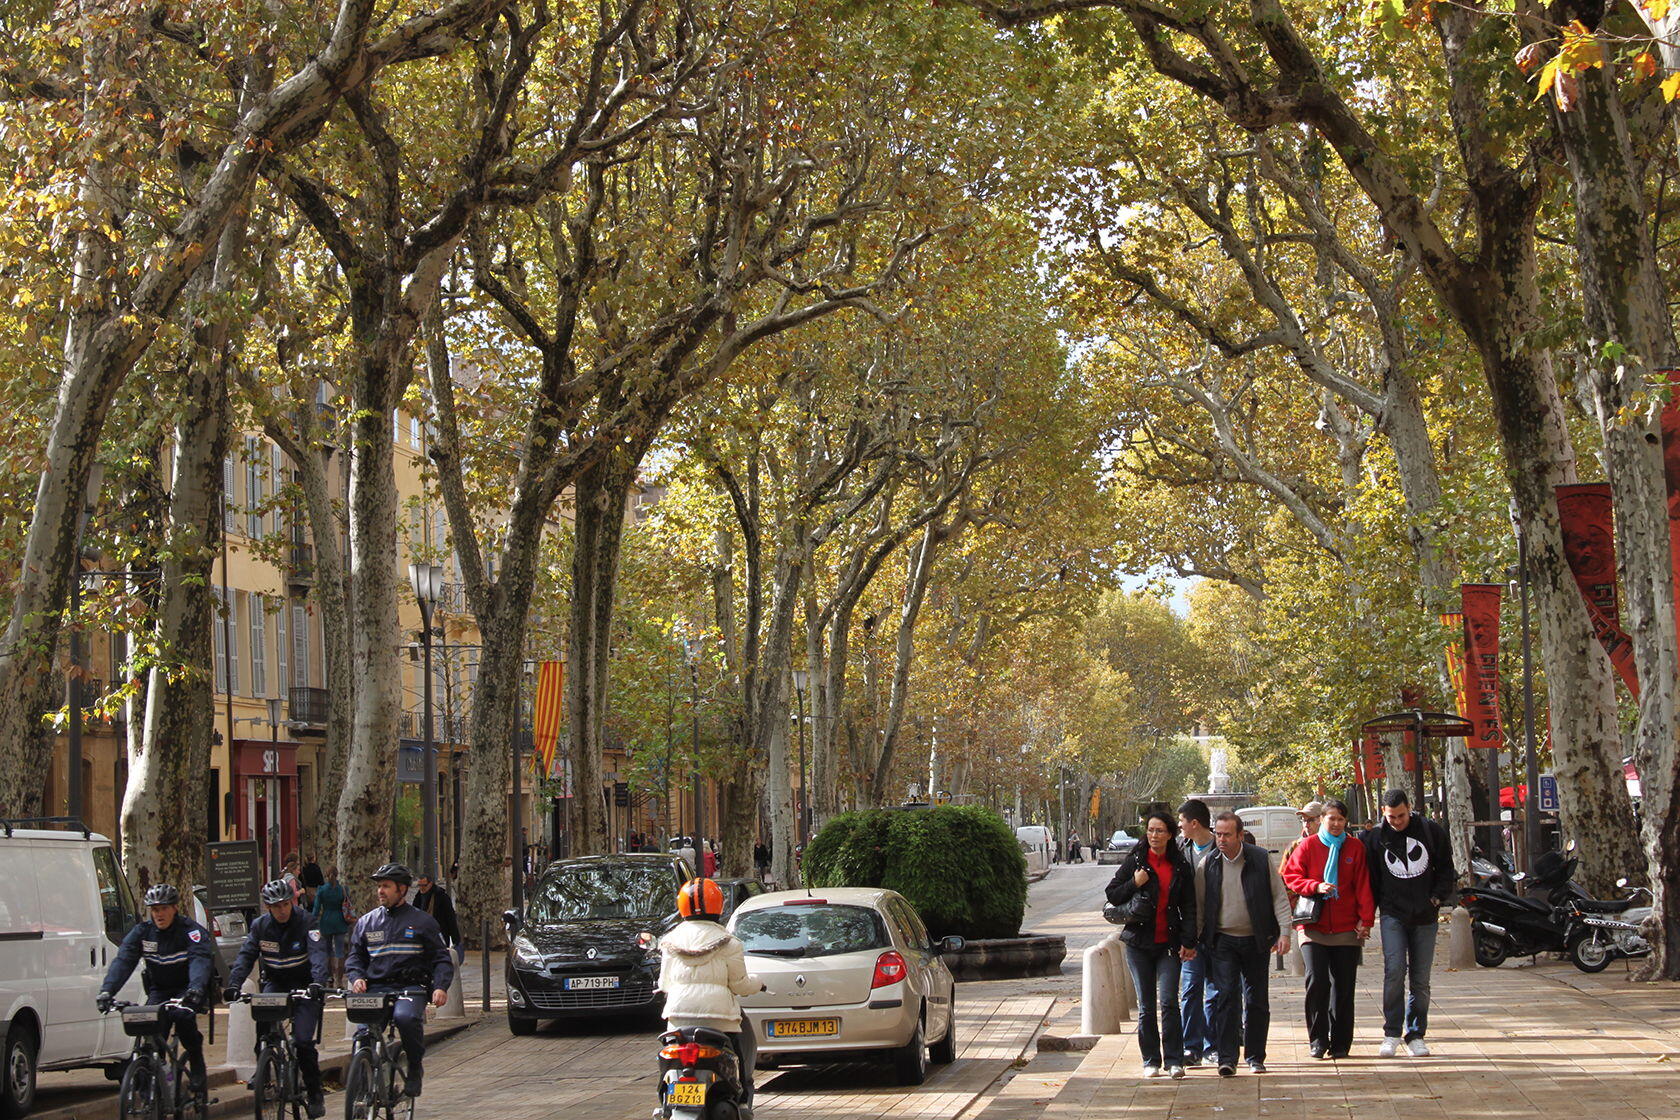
column 700, row 898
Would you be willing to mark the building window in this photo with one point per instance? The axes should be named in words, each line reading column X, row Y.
column 256, row 470
column 300, row 646
column 414, row 432
column 259, row 647
column 232, row 631
column 227, row 494
column 276, row 483
column 282, row 675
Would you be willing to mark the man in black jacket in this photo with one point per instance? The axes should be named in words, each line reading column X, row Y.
column 1410, row 860
column 1245, row 918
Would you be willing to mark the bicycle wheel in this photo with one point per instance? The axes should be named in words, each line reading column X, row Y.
column 188, row 1104
column 401, row 1105
column 361, row 1088
column 268, row 1088
column 141, row 1096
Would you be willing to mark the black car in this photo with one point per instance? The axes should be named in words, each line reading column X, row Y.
column 587, row 942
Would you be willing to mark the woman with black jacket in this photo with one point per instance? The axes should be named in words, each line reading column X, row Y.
column 1155, row 888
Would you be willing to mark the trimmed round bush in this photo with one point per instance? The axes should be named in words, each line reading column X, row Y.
column 959, row 865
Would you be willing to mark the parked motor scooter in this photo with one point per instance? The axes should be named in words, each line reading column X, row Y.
column 1485, row 872
column 700, row 1077
column 1505, row 924
column 1600, row 930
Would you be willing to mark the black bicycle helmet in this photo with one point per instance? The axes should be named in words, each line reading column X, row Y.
column 395, row 872
column 276, row 891
column 162, row 894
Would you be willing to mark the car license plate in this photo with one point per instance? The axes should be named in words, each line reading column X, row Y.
column 803, row 1028
column 587, row 983
column 687, row 1094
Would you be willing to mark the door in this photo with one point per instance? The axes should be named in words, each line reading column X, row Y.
column 117, row 915
column 71, row 935
column 924, row 966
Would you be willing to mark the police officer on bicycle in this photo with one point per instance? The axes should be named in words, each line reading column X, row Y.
column 293, row 956
column 178, row 953
column 396, row 946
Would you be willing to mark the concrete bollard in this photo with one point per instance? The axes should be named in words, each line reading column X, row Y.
column 1107, row 1000
column 454, row 1006
column 1461, row 945
column 1125, row 1006
column 242, row 1037
column 1293, row 962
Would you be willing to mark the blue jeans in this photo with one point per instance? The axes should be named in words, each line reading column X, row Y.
column 1155, row 977
column 1195, row 1005
column 1239, row 966
column 1408, row 953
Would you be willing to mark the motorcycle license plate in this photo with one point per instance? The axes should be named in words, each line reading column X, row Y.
column 590, row 983
column 686, row 1094
column 803, row 1028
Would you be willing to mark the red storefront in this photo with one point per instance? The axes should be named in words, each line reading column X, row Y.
column 265, row 796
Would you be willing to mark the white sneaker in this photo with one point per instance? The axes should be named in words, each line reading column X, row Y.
column 1389, row 1048
column 1152, row 1071
column 1175, row 1072
column 1418, row 1048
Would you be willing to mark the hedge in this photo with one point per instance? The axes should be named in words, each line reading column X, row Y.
column 959, row 865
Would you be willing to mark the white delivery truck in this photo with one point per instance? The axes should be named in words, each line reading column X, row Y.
column 1037, row 845
column 64, row 909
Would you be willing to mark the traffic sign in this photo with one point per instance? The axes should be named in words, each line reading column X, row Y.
column 1549, row 793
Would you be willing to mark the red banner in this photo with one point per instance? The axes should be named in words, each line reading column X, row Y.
column 1368, row 765
column 1481, row 663
column 1589, row 544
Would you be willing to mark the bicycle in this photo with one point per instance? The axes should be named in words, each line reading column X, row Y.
column 378, row 1071
column 154, row 1081
column 276, row 1085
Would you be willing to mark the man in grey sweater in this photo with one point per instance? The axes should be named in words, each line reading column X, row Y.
column 1245, row 918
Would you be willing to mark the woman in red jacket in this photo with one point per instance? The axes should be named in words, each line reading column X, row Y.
column 1331, row 865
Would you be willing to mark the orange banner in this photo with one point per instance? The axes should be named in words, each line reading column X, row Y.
column 1585, row 516
column 546, row 715
column 1480, row 690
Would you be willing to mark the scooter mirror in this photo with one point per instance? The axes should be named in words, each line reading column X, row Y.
column 1518, row 876
column 1570, row 847
column 1622, row 882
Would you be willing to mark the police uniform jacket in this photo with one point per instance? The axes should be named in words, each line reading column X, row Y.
column 177, row 959
column 293, row 955
column 399, row 946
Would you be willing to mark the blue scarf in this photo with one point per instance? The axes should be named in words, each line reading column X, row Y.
column 1334, row 843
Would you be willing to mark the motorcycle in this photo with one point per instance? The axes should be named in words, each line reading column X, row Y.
column 700, row 1077
column 1505, row 924
column 1600, row 930
column 1485, row 872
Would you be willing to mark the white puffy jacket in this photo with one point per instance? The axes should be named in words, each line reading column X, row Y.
column 702, row 974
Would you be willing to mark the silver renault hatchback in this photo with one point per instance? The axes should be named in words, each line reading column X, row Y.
column 849, row 973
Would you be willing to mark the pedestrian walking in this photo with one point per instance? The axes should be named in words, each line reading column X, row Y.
column 1410, row 861
column 1075, row 853
column 333, row 915
column 1155, row 889
column 1195, row 994
column 1244, row 911
column 1327, row 871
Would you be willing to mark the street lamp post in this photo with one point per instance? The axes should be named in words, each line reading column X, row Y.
column 90, row 498
column 427, row 581
column 691, row 647
column 1531, row 817
column 801, row 679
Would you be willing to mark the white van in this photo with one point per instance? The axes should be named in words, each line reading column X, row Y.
column 1275, row 827
column 64, row 909
column 1037, row 845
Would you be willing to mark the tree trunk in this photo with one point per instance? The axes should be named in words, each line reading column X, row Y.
column 1626, row 305
column 163, row 810
column 769, row 728
column 366, row 800
column 915, row 593
column 485, row 884
column 602, row 491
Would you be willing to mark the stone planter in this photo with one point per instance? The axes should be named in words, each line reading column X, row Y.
column 1002, row 958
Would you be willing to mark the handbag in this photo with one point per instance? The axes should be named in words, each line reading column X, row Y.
column 1138, row 908
column 1309, row 908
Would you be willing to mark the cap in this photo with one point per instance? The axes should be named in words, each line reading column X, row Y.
column 1311, row 809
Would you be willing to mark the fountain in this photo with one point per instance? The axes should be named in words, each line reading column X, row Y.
column 1219, row 795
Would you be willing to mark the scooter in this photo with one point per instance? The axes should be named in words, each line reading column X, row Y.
column 700, row 1077
column 1600, row 930
column 1504, row 924
column 1485, row 872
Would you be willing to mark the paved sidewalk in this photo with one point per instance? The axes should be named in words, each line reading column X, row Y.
column 1511, row 1042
